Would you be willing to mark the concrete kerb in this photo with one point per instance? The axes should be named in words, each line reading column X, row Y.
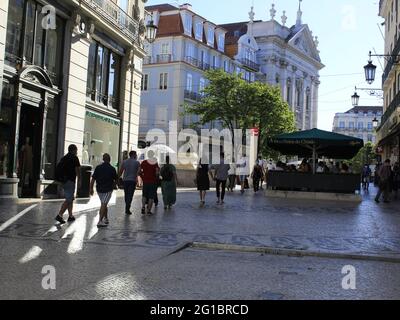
column 293, row 252
column 299, row 195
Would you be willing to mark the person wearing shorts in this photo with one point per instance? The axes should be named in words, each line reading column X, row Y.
column 105, row 177
column 70, row 166
column 149, row 172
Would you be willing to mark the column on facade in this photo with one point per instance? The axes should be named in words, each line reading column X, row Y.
column 76, row 92
column 3, row 34
column 315, row 103
column 312, row 102
column 304, row 106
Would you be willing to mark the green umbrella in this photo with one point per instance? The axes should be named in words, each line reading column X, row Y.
column 315, row 142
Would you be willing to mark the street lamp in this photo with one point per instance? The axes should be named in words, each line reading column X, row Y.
column 355, row 99
column 151, row 31
column 375, row 123
column 370, row 70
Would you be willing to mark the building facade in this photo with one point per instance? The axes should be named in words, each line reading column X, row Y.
column 70, row 74
column 358, row 123
column 289, row 58
column 389, row 131
column 187, row 45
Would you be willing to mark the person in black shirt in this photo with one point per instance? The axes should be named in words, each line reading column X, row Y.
column 70, row 167
column 105, row 177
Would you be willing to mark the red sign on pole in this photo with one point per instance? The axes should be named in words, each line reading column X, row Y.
column 256, row 132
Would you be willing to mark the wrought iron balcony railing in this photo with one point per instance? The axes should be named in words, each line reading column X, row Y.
column 392, row 60
column 113, row 14
column 194, row 96
column 250, row 64
column 164, row 58
column 392, row 108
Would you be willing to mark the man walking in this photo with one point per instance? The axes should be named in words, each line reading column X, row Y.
column 149, row 172
column 221, row 176
column 385, row 174
column 67, row 170
column 105, row 177
column 130, row 170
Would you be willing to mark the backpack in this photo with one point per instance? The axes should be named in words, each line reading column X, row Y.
column 60, row 172
column 167, row 174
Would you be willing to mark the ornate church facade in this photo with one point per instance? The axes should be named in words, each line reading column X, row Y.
column 287, row 56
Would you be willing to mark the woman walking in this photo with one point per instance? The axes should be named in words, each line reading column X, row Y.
column 203, row 182
column 169, row 183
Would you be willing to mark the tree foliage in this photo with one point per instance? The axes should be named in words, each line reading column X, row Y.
column 239, row 104
column 366, row 155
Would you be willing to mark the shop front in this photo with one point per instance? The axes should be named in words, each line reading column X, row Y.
column 30, row 100
column 102, row 135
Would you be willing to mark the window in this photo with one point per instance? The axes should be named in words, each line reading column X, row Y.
column 189, row 82
column 342, row 125
column 190, row 50
column 37, row 46
column 143, row 116
column 351, row 125
column 199, row 31
column 7, row 109
column 165, row 48
column 202, row 86
column 210, row 40
column 145, row 82
column 188, row 25
column 161, row 116
column 360, row 125
column 370, row 138
column 214, row 61
column 14, row 31
column 163, row 81
column 221, row 42
column 103, row 76
column 226, row 66
column 370, row 126
column 135, row 10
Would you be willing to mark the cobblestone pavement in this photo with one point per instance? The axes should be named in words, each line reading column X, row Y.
column 135, row 257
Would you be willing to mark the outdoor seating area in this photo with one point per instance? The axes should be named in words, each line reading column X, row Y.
column 315, row 144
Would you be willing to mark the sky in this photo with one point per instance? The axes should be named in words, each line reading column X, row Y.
column 347, row 30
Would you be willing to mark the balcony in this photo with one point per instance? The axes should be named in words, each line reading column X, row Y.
column 391, row 61
column 392, row 108
column 197, row 63
column 194, row 96
column 114, row 15
column 147, row 60
column 163, row 58
column 250, row 64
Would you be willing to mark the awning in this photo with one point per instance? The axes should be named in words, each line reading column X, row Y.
column 395, row 132
column 317, row 142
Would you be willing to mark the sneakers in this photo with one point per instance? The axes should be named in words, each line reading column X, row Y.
column 218, row 201
column 128, row 212
column 60, row 220
column 71, row 219
column 101, row 224
column 143, row 210
column 106, row 221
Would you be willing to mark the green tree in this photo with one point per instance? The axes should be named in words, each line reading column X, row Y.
column 239, row 104
column 366, row 155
